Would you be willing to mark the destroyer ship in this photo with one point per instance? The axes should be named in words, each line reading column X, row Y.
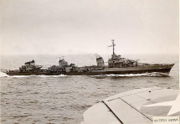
column 116, row 65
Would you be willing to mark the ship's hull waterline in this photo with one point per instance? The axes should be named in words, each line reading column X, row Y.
column 164, row 69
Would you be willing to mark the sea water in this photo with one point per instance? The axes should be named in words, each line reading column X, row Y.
column 62, row 99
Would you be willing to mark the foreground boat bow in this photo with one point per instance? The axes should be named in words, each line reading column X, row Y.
column 134, row 107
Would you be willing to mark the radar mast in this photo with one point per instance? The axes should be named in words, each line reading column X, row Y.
column 113, row 45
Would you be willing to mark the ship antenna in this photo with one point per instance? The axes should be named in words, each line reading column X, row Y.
column 113, row 45
column 62, row 57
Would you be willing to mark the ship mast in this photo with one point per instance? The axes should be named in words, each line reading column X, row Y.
column 113, row 45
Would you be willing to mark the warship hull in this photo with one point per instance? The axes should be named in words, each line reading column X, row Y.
column 116, row 65
column 160, row 68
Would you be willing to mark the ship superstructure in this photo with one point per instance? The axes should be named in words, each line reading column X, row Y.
column 30, row 67
column 116, row 61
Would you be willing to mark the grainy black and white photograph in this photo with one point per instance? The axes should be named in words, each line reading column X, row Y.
column 89, row 62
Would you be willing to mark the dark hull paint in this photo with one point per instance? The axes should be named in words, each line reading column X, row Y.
column 134, row 70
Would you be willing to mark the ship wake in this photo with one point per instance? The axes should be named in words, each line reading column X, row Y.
column 153, row 74
column 2, row 74
column 24, row 76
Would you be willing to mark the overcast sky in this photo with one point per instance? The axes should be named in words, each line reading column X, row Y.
column 87, row 26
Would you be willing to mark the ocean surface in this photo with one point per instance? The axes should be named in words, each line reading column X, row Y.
column 63, row 99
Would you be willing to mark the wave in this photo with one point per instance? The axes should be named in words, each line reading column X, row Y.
column 153, row 74
column 61, row 75
column 2, row 74
column 24, row 76
column 43, row 76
